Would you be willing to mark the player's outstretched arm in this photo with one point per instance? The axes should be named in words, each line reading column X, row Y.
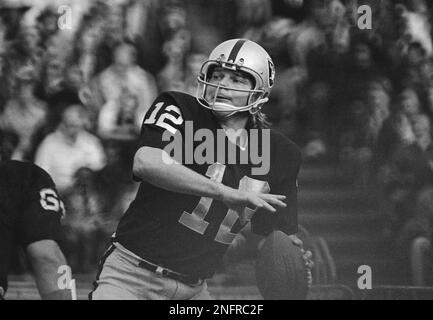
column 46, row 257
column 149, row 166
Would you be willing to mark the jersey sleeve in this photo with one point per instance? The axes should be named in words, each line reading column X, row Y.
column 285, row 219
column 42, row 211
column 163, row 120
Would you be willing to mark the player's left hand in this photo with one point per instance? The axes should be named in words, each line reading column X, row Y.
column 306, row 255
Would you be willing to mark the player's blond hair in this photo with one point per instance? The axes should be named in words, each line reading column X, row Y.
column 259, row 120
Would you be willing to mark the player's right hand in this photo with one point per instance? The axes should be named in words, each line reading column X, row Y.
column 238, row 200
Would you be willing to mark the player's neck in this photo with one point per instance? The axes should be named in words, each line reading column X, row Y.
column 233, row 128
column 234, row 122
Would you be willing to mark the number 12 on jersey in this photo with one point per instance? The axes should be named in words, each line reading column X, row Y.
column 195, row 220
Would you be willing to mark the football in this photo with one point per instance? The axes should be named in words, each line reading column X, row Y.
column 281, row 273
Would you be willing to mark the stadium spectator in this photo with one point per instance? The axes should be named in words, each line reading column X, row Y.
column 429, row 101
column 117, row 118
column 46, row 23
column 426, row 74
column 409, row 102
column 52, row 78
column 28, row 42
column 252, row 16
column 83, row 234
column 361, row 136
column 112, row 35
column 413, row 26
column 309, row 34
column 378, row 103
column 175, row 49
column 24, row 114
column 95, row 206
column 4, row 90
column 354, row 151
column 409, row 72
column 87, row 40
column 61, row 87
column 360, row 70
column 125, row 74
column 418, row 226
column 143, row 26
column 410, row 173
column 396, row 132
column 115, row 185
column 317, row 97
column 70, row 148
column 193, row 65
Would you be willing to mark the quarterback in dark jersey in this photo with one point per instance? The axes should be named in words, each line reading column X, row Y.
column 201, row 182
column 30, row 213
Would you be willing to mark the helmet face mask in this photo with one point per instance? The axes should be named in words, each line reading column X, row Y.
column 237, row 55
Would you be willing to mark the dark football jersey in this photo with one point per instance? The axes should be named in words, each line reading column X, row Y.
column 30, row 209
column 189, row 234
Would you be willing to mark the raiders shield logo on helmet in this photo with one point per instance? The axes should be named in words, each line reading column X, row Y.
column 271, row 73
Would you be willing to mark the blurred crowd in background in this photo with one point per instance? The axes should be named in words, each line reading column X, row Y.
column 72, row 100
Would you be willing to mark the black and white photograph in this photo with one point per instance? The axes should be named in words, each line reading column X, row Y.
column 233, row 151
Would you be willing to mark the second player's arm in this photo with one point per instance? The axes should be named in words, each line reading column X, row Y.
column 46, row 258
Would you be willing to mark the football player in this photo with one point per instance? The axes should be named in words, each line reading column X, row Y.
column 187, row 213
column 30, row 213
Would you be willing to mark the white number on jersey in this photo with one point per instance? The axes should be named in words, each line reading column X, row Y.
column 195, row 220
column 50, row 201
column 168, row 119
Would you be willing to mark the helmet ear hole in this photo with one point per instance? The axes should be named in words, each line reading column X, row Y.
column 256, row 96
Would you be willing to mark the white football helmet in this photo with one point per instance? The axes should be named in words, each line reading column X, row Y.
column 240, row 55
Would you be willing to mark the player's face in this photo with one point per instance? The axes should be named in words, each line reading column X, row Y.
column 229, row 79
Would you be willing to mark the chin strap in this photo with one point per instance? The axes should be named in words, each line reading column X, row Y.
column 220, row 106
column 253, row 110
column 259, row 103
